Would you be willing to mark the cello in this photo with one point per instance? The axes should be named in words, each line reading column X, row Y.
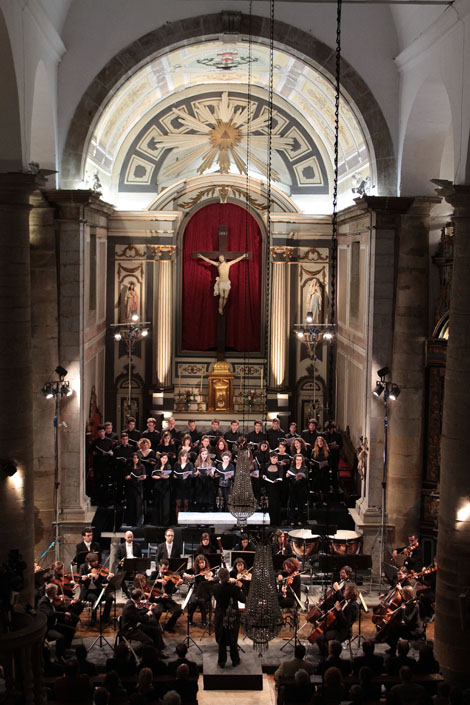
column 390, row 622
column 323, row 623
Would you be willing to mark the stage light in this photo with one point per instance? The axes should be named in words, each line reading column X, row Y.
column 379, row 387
column 394, row 392
column 134, row 317
column 328, row 336
column 61, row 371
column 300, row 334
column 117, row 337
column 383, row 372
column 8, row 467
column 145, row 332
column 48, row 390
column 464, row 512
column 309, row 317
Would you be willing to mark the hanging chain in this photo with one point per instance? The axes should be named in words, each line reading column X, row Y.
column 268, row 213
column 334, row 223
column 247, row 184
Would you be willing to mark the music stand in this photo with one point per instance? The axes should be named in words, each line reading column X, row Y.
column 332, row 563
column 136, row 565
column 248, row 557
column 278, row 561
column 177, row 564
column 100, row 638
column 115, row 584
column 188, row 637
column 213, row 559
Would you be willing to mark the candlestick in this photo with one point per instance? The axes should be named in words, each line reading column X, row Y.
column 261, row 379
column 200, row 388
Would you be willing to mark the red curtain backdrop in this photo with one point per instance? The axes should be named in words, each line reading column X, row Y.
column 243, row 308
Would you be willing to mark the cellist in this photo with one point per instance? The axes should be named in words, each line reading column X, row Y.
column 408, row 623
column 346, row 613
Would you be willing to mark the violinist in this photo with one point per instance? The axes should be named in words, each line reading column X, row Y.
column 426, row 590
column 57, row 628
column 203, row 579
column 345, row 577
column 345, row 613
column 241, row 575
column 406, row 621
column 66, row 591
column 412, row 552
column 140, row 583
column 139, row 623
column 288, row 583
column 93, row 578
column 169, row 582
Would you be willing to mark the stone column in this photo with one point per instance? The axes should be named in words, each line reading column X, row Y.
column 16, row 439
column 453, row 547
column 410, row 330
column 164, row 335
column 279, row 322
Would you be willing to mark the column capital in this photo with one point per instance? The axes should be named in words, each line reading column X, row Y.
column 16, row 187
column 458, row 197
column 71, row 202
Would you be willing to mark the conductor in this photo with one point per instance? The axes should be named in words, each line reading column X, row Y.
column 227, row 617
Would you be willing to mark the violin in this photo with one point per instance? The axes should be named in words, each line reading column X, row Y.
column 426, row 571
column 244, row 574
column 410, row 548
column 287, row 582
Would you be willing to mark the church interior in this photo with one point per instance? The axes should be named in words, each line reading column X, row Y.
column 233, row 228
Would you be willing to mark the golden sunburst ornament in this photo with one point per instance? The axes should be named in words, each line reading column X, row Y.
column 220, row 135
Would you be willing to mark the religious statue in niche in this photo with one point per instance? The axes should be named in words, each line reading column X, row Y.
column 222, row 282
column 128, row 302
column 314, row 300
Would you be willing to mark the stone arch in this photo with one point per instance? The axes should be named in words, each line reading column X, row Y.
column 43, row 123
column 424, row 153
column 191, row 29
column 10, row 122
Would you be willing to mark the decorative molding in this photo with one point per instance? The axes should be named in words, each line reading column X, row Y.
column 129, row 251
column 190, row 369
column 223, row 192
column 313, row 255
column 286, row 253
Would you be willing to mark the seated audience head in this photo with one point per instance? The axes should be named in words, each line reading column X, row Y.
column 301, row 677
column 122, row 652
column 181, row 649
column 111, row 681
column 145, row 680
column 406, row 674
column 332, row 677
column 403, row 647
column 368, row 647
column 335, row 648
column 356, row 694
column 171, row 698
column 81, row 652
column 182, row 671
column 101, row 696
column 365, row 675
column 72, row 668
column 299, row 651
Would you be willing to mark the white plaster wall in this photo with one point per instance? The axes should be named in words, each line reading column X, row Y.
column 440, row 54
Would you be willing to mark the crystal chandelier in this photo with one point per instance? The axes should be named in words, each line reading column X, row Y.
column 242, row 502
column 262, row 618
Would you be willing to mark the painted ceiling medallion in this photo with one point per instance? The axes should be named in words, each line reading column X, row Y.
column 226, row 60
column 220, row 133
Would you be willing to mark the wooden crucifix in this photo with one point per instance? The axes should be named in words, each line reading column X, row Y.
column 225, row 259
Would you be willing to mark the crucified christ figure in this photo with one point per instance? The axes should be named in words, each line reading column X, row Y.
column 222, row 282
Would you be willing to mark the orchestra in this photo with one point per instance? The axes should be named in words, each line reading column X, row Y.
column 163, row 472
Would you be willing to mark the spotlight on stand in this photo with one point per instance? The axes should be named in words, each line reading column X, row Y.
column 309, row 317
column 394, row 392
column 130, row 332
column 145, row 332
column 300, row 333
column 135, row 317
column 379, row 387
column 383, row 372
column 61, row 371
column 117, row 337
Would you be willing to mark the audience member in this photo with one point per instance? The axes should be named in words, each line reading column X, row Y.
column 407, row 691
column 123, row 661
column 394, row 663
column 85, row 666
column 426, row 662
column 171, row 698
column 368, row 658
column 370, row 690
column 73, row 687
column 144, row 692
column 117, row 694
column 186, row 687
column 332, row 691
column 442, row 695
column 181, row 651
column 356, row 695
column 299, row 692
column 101, row 697
column 288, row 668
column 151, row 659
column 334, row 660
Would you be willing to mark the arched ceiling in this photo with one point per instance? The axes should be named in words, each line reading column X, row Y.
column 190, row 111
